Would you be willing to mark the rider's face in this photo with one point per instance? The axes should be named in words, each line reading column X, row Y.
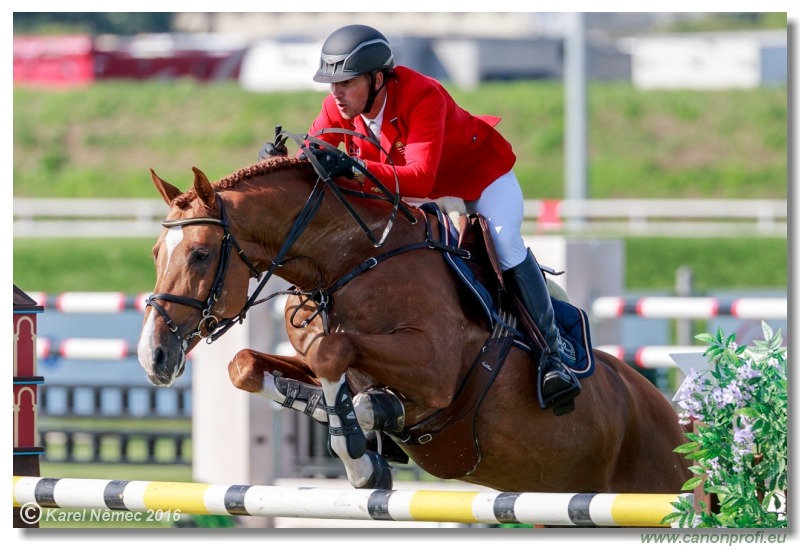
column 351, row 95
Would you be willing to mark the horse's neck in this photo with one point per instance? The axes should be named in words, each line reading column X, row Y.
column 337, row 243
column 329, row 246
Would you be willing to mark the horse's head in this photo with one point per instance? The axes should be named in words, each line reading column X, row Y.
column 198, row 281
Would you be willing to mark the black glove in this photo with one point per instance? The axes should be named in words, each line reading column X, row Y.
column 334, row 163
column 277, row 149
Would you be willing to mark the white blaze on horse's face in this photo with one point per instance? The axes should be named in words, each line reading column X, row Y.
column 172, row 240
column 147, row 342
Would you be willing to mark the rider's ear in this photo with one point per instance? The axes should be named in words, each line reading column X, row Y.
column 380, row 76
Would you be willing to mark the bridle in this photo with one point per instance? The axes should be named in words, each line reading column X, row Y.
column 210, row 323
column 210, row 326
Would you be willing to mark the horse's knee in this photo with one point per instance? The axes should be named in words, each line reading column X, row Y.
column 243, row 373
column 335, row 355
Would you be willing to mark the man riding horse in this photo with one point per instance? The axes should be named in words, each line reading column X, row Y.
column 434, row 148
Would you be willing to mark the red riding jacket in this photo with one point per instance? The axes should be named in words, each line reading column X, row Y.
column 438, row 148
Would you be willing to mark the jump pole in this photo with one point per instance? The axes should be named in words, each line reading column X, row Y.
column 558, row 509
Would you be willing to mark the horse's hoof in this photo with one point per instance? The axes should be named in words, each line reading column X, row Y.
column 381, row 477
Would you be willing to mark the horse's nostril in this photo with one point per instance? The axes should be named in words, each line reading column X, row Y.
column 159, row 357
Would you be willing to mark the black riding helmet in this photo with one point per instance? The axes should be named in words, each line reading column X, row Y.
column 352, row 51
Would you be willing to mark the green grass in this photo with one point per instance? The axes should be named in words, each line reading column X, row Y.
column 100, row 141
column 651, row 263
column 62, row 265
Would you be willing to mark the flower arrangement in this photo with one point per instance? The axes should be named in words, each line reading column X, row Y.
column 739, row 443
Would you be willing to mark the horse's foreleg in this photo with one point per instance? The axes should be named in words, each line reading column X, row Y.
column 347, row 437
column 290, row 383
column 365, row 469
column 405, row 361
column 286, row 380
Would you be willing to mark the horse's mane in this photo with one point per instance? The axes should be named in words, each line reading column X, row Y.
column 260, row 168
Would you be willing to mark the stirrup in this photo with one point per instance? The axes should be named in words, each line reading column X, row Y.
column 385, row 446
column 563, row 400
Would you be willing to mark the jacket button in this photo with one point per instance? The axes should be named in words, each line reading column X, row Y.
column 474, row 138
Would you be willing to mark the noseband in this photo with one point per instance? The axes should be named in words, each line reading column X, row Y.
column 209, row 323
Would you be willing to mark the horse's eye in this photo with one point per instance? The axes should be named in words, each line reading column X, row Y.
column 200, row 255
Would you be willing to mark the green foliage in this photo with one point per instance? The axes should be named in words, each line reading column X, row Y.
column 101, row 140
column 739, row 446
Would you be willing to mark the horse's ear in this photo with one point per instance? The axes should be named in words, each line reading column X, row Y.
column 167, row 191
column 203, row 189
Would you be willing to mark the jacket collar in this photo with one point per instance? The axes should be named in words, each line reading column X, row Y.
column 389, row 131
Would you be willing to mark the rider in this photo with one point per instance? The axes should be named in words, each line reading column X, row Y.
column 437, row 149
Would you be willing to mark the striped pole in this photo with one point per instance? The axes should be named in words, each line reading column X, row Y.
column 91, row 302
column 605, row 307
column 87, row 349
column 673, row 307
column 650, row 357
column 567, row 509
column 111, row 349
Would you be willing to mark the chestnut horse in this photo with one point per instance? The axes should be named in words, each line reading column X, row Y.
column 403, row 326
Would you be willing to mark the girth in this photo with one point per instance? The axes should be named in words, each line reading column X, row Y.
column 445, row 443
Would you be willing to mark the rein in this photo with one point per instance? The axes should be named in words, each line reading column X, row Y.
column 302, row 139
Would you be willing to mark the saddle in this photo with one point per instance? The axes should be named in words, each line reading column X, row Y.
column 482, row 272
column 445, row 444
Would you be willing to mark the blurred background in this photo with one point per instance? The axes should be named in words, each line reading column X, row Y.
column 652, row 151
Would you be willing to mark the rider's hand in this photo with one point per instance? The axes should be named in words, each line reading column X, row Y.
column 270, row 150
column 334, row 163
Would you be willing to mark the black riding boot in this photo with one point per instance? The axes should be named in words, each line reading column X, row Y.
column 558, row 385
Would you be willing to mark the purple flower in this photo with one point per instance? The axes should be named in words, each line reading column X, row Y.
column 747, row 372
column 743, row 439
column 743, row 436
column 688, row 397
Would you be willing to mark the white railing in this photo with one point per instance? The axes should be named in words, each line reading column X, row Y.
column 661, row 217
column 623, row 217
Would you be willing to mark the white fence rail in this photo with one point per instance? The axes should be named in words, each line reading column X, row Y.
column 640, row 217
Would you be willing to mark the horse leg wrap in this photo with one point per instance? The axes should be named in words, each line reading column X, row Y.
column 351, row 431
column 388, row 413
column 300, row 391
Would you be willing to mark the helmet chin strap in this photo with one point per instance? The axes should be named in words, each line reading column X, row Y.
column 373, row 93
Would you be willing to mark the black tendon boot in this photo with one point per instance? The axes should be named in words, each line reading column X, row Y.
column 557, row 385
